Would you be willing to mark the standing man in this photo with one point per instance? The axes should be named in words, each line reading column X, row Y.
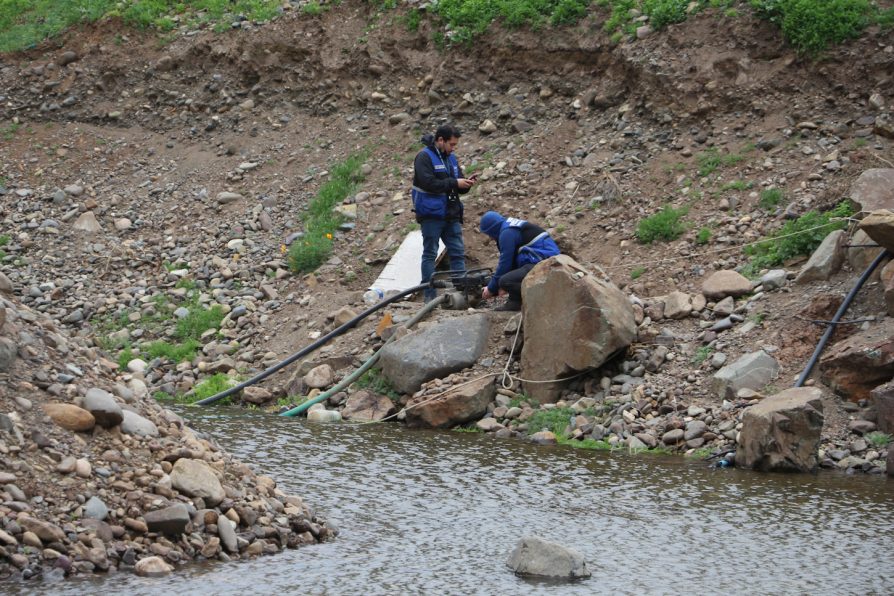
column 437, row 183
column 522, row 245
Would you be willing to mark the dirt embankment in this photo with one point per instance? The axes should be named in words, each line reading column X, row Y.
column 127, row 167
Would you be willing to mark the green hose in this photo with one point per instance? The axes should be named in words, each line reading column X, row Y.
column 429, row 306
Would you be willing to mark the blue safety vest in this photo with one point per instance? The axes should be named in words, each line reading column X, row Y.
column 541, row 247
column 428, row 204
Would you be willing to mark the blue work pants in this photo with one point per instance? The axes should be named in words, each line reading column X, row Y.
column 451, row 232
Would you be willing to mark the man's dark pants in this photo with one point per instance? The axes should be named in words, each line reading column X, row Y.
column 512, row 282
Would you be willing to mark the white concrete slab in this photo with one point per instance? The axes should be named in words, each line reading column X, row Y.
column 403, row 270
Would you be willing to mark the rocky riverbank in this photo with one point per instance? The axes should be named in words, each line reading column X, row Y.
column 96, row 476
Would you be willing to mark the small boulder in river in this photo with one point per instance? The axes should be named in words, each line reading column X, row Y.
column 782, row 432
column 152, row 567
column 367, row 406
column 534, row 556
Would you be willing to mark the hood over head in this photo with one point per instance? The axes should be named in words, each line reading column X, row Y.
column 490, row 224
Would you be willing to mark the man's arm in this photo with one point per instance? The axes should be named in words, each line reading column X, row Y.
column 509, row 239
column 424, row 177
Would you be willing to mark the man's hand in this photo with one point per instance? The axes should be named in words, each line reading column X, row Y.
column 486, row 294
column 465, row 183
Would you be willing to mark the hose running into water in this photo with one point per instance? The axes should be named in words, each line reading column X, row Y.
column 312, row 347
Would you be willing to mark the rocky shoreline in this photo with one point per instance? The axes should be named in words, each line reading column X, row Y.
column 96, row 476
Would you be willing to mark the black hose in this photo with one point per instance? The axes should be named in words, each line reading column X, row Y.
column 841, row 310
column 314, row 346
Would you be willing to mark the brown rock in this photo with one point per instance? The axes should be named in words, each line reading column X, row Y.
column 874, row 189
column 782, row 432
column 44, row 530
column 366, row 406
column 858, row 364
column 152, row 567
column 859, row 256
column 879, row 225
column 883, row 397
column 320, row 377
column 887, row 279
column 580, row 322
column 256, row 395
column 726, row 283
column 454, row 407
column 70, row 417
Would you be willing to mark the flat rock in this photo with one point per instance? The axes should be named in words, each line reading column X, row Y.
column 751, row 371
column 367, row 406
column 170, row 520
column 103, row 406
column 726, row 283
column 134, row 424
column 454, row 407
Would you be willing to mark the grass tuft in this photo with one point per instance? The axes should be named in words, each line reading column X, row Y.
column 667, row 224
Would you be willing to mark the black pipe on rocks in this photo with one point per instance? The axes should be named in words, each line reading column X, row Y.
column 841, row 310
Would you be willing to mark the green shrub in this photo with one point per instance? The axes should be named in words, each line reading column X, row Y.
column 199, row 320
column 796, row 238
column 770, row 198
column 4, row 240
column 312, row 8
column 878, row 439
column 175, row 353
column 412, row 19
column 811, row 26
column 467, row 19
column 125, row 356
column 664, row 12
column 667, row 224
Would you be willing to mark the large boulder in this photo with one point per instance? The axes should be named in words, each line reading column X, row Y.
column 573, row 322
column 103, row 406
column 367, row 406
column 434, row 351
column 883, row 397
column 782, row 432
column 726, row 283
column 856, row 365
column 826, row 260
column 456, row 406
column 861, row 254
column 534, row 556
column 195, row 478
column 879, row 225
column 873, row 190
column 751, row 371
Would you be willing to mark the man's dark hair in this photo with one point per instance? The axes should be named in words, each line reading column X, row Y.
column 447, row 132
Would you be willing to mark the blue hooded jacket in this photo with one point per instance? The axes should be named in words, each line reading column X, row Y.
column 519, row 242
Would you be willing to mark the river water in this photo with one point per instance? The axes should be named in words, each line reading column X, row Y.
column 439, row 512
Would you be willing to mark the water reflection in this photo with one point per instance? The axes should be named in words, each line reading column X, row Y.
column 438, row 513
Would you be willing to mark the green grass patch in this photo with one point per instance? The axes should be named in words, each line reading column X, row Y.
column 199, row 320
column 737, row 185
column 467, row 19
column 877, row 438
column 703, row 236
column 667, row 224
column 711, row 160
column 702, row 354
column 375, row 381
column 637, row 273
column 591, row 444
column 309, row 252
column 25, row 23
column 211, row 386
column 4, row 240
column 796, row 238
column 173, row 352
column 555, row 420
column 770, row 198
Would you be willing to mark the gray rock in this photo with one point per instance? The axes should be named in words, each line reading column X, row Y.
column 434, row 351
column 694, row 430
column 367, row 406
column 874, row 189
column 94, row 508
column 87, row 222
column 134, row 424
column 751, row 371
column 152, row 567
column 227, row 532
column 225, row 198
column 826, row 260
column 726, row 283
column 195, row 478
column 103, row 406
column 774, row 279
column 8, row 354
column 170, row 520
column 534, row 556
column 672, row 437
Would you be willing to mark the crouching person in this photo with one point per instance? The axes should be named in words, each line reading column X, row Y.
column 522, row 245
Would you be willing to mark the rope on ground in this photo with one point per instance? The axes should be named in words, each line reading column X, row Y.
column 728, row 248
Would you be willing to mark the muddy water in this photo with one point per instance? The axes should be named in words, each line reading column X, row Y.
column 438, row 513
